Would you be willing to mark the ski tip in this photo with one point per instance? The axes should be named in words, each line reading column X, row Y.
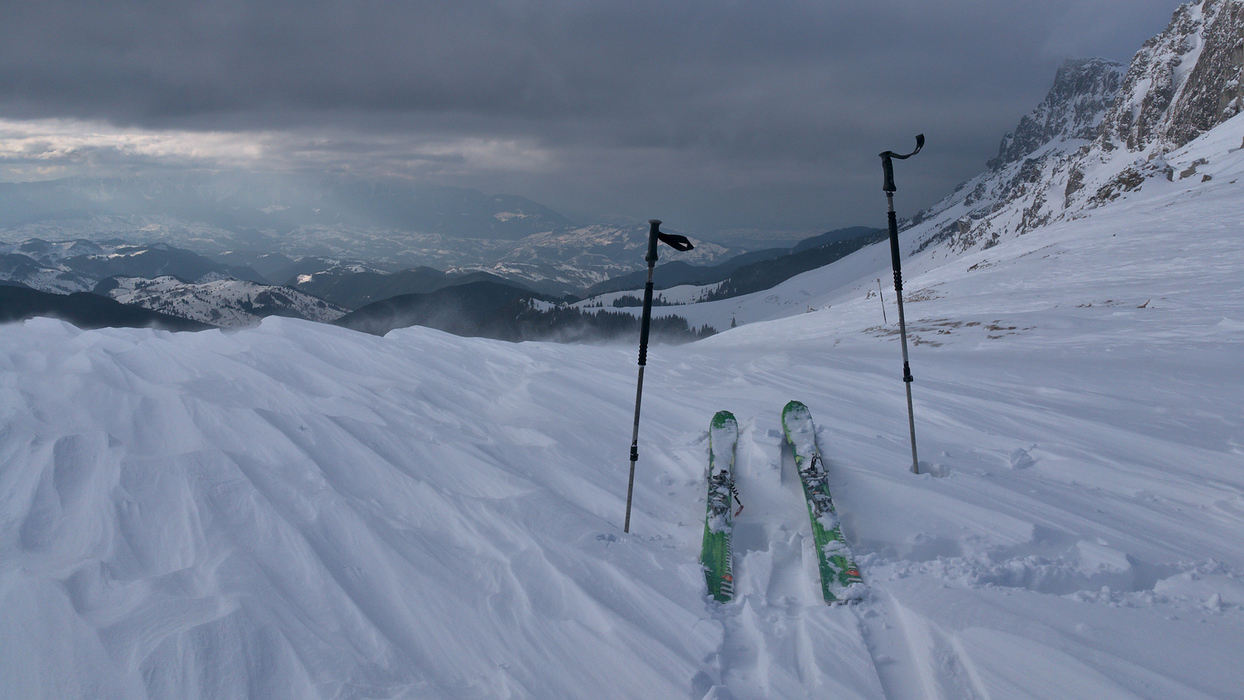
column 795, row 410
column 723, row 418
column 794, row 406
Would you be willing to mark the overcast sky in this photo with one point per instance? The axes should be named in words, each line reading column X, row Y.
column 714, row 115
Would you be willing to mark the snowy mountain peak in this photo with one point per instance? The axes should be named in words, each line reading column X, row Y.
column 1083, row 91
column 1182, row 82
column 1097, row 135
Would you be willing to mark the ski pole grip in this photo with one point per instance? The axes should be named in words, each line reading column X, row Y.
column 654, row 226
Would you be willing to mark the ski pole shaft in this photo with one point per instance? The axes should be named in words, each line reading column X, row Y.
column 887, row 165
column 630, row 484
column 895, row 259
column 645, row 325
column 679, row 243
column 881, row 295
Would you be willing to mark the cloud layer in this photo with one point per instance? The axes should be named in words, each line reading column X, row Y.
column 719, row 114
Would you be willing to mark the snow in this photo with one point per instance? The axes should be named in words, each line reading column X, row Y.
column 681, row 294
column 855, row 278
column 220, row 300
column 298, row 510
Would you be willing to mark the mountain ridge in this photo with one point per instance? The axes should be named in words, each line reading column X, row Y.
column 222, row 302
column 86, row 310
column 1091, row 141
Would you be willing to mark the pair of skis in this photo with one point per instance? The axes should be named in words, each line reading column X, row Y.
column 840, row 577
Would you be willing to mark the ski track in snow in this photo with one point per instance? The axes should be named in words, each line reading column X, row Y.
column 780, row 639
column 298, row 510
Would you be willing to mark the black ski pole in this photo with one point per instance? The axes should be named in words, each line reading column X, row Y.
column 677, row 243
column 888, row 166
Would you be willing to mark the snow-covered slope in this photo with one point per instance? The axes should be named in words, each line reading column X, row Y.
column 223, row 302
column 297, row 510
column 1216, row 158
column 25, row 271
column 62, row 267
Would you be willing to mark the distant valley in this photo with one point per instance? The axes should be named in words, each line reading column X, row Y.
column 257, row 220
column 237, row 290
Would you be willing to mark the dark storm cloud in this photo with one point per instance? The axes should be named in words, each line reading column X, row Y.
column 726, row 114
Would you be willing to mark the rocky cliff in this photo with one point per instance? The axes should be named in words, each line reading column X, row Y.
column 1083, row 91
column 1100, row 132
column 1183, row 82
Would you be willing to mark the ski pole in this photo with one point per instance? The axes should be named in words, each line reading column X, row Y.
column 881, row 294
column 887, row 166
column 677, row 243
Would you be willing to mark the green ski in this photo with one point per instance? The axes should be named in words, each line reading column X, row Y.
column 840, row 577
column 723, row 437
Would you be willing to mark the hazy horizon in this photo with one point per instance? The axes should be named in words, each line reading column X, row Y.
column 721, row 119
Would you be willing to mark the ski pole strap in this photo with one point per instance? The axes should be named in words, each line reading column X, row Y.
column 675, row 241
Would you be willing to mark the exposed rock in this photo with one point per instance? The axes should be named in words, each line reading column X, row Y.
column 1182, row 82
column 1191, row 169
column 1074, row 182
column 1082, row 92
